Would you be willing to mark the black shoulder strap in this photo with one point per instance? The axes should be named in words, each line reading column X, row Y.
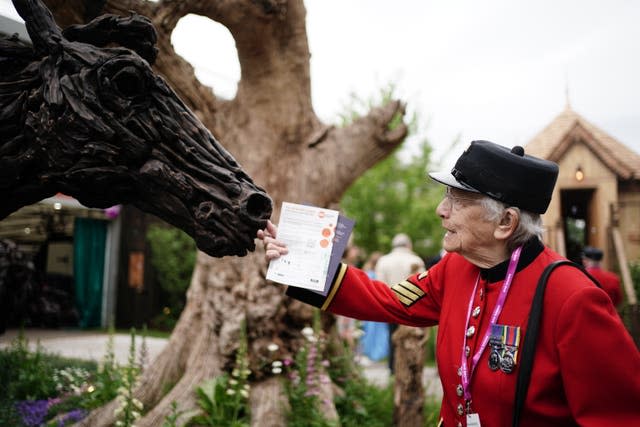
column 531, row 337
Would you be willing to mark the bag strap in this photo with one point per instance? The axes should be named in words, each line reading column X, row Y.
column 531, row 337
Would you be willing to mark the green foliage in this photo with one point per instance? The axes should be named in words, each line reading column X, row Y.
column 173, row 255
column 305, row 377
column 171, row 420
column 634, row 270
column 107, row 379
column 629, row 313
column 33, row 378
column 364, row 404
column 25, row 375
column 431, row 411
column 393, row 197
column 130, row 408
column 224, row 400
column 59, row 391
column 8, row 414
column 222, row 403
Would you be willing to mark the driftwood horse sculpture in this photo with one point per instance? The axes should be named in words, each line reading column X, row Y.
column 96, row 123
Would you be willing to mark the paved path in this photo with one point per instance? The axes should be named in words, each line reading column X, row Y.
column 84, row 345
column 93, row 345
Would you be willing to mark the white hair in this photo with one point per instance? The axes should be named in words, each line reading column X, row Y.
column 530, row 224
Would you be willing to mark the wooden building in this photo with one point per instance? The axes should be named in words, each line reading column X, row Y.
column 596, row 201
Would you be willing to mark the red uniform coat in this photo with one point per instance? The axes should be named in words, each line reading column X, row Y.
column 610, row 283
column 586, row 367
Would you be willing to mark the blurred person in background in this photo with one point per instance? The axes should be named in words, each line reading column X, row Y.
column 375, row 340
column 591, row 260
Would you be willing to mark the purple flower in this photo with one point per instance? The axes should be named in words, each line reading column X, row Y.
column 311, row 392
column 32, row 412
column 72, row 417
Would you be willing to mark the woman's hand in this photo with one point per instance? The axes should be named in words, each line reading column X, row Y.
column 273, row 248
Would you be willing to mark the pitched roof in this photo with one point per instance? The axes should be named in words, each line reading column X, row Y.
column 568, row 127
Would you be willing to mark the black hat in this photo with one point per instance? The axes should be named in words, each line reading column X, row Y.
column 509, row 176
column 592, row 253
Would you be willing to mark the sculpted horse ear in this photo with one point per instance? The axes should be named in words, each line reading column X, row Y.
column 135, row 32
column 42, row 28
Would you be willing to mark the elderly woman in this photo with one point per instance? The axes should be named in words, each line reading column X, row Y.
column 586, row 368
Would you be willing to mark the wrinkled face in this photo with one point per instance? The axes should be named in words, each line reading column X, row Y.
column 468, row 231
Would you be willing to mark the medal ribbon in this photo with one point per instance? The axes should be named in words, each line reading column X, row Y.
column 465, row 371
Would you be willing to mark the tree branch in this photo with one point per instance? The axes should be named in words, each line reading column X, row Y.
column 355, row 149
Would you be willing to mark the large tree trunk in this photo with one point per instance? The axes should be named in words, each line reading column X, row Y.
column 271, row 129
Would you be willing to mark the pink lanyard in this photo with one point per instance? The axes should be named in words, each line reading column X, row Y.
column 466, row 373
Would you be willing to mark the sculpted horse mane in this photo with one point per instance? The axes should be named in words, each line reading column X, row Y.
column 96, row 123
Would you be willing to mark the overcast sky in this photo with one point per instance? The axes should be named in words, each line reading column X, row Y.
column 492, row 69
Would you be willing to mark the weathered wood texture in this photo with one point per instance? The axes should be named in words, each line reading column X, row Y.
column 408, row 396
column 97, row 123
column 271, row 128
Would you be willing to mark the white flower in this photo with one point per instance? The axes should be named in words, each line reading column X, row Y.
column 272, row 347
column 231, row 391
column 233, row 382
column 276, row 370
column 307, row 331
column 138, row 404
column 244, row 393
column 276, row 364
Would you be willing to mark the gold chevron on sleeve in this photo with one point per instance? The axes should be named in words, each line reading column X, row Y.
column 407, row 292
column 423, row 275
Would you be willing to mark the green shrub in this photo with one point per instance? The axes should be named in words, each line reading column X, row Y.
column 26, row 375
column 224, row 400
column 173, row 255
column 364, row 404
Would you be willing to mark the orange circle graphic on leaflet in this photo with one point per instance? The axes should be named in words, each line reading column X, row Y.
column 321, row 214
column 326, row 232
column 324, row 243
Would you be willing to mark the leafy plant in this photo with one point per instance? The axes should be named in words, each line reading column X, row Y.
column 108, row 378
column 363, row 403
column 395, row 195
column 171, row 420
column 305, row 377
column 173, row 255
column 25, row 375
column 224, row 400
column 130, row 408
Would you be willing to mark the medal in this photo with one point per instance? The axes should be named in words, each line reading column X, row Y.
column 507, row 364
column 494, row 360
column 504, row 343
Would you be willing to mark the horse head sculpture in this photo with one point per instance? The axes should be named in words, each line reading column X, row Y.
column 85, row 118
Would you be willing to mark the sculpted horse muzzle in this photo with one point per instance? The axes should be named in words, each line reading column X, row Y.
column 98, row 124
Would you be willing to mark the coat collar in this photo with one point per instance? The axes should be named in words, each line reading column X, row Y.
column 530, row 251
